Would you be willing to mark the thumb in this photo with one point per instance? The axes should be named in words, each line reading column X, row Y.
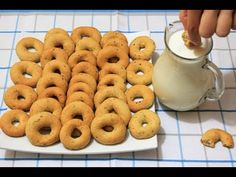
column 193, row 22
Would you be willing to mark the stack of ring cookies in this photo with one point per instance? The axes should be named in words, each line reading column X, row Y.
column 77, row 89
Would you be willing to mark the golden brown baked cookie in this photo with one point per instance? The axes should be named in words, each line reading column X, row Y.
column 112, row 68
column 53, row 31
column 86, row 78
column 114, row 105
column 9, row 120
column 111, row 54
column 139, row 66
column 108, row 92
column 88, row 44
column 146, row 44
column 81, row 55
column 113, row 35
column 115, row 135
column 53, row 54
column 188, row 43
column 85, row 31
column 118, row 43
column 144, row 124
column 43, row 129
column 77, row 110
column 51, row 80
column 23, row 49
column 80, row 96
column 60, row 41
column 68, row 137
column 57, row 67
column 212, row 136
column 80, row 86
column 139, row 91
column 54, row 92
column 50, row 105
column 20, row 97
column 85, row 67
column 19, row 69
column 112, row 80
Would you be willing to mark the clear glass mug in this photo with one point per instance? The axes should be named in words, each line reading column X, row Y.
column 184, row 83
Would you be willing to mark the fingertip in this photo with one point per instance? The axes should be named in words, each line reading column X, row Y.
column 222, row 33
column 205, row 33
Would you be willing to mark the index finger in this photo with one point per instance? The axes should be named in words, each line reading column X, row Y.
column 193, row 22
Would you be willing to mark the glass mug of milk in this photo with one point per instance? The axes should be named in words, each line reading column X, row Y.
column 183, row 77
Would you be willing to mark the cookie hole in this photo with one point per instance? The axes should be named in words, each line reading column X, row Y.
column 141, row 48
column 54, row 97
column 49, row 111
column 110, row 84
column 59, row 46
column 77, row 116
column 113, row 60
column 27, row 75
column 56, row 70
column 140, row 73
column 31, row 49
column 144, row 124
column 108, row 128
column 138, row 99
column 15, row 122
column 20, row 97
column 112, row 111
column 45, row 131
column 76, row 133
column 51, row 85
column 53, row 57
column 88, row 49
column 84, row 36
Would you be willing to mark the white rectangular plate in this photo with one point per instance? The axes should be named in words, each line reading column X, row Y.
column 130, row 144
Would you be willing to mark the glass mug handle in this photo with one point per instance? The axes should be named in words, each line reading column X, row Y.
column 216, row 92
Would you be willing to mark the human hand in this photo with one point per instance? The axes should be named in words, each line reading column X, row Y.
column 205, row 23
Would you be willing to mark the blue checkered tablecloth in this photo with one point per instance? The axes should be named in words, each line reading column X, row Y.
column 179, row 139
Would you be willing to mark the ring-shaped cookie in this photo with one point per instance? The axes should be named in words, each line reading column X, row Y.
column 112, row 54
column 101, row 134
column 85, row 67
column 139, row 66
column 20, row 69
column 88, row 44
column 85, row 31
column 36, row 126
column 23, row 49
column 50, row 105
column 108, row 92
column 60, row 41
column 112, row 80
column 112, row 68
column 144, row 124
column 114, row 105
column 142, row 48
column 12, row 117
column 86, row 78
column 54, row 92
column 20, row 97
column 53, row 54
column 139, row 91
column 51, row 80
column 77, row 110
column 57, row 67
column 75, row 142
column 81, row 55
